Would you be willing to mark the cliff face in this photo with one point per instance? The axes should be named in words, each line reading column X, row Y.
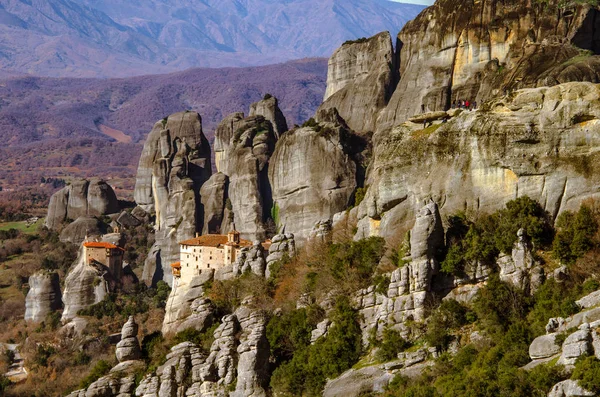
column 313, row 176
column 174, row 164
column 540, row 142
column 360, row 80
column 473, row 50
column 43, row 297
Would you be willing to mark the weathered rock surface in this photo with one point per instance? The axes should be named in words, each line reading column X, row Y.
column 248, row 168
column 531, row 143
column 236, row 364
column 578, row 344
column 520, row 268
column 281, row 245
column 543, row 347
column 44, row 296
column 251, row 259
column 313, row 177
column 84, row 286
column 269, row 109
column 186, row 307
column 80, row 199
column 476, row 50
column 360, row 80
column 569, row 388
column 223, row 140
column 129, row 347
column 174, row 164
column 213, row 195
column 83, row 226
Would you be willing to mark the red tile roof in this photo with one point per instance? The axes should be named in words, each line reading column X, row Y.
column 92, row 244
column 212, row 240
column 176, row 265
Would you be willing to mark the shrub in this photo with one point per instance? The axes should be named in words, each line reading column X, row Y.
column 587, row 371
column 575, row 235
column 100, row 369
column 359, row 196
column 391, row 344
column 308, row 370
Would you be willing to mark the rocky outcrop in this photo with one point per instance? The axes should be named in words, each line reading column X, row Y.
column 43, row 297
column 536, row 142
column 543, row 347
column 251, row 259
column 83, row 226
column 186, row 307
column 213, row 195
column 520, row 268
column 281, row 245
column 224, row 135
column 577, row 344
column 247, row 168
column 85, row 285
column 360, row 80
column 128, row 347
column 174, row 164
column 411, row 285
column 269, row 109
column 313, row 176
column 476, row 50
column 82, row 198
column 236, row 365
column 569, row 388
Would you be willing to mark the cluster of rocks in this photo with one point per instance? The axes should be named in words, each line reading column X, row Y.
column 187, row 307
column 121, row 380
column 236, row 365
column 43, row 297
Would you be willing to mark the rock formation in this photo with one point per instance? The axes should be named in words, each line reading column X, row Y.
column 251, row 259
column 360, row 80
column 80, row 199
column 281, row 245
column 44, row 296
column 475, row 50
column 313, row 176
column 223, row 139
column 237, row 362
column 83, row 226
column 129, row 347
column 85, row 285
column 536, row 142
column 213, row 195
column 520, row 268
column 175, row 162
column 269, row 109
column 247, row 167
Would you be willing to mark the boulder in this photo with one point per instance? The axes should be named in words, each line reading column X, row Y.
column 589, row 301
column 174, row 164
column 569, row 388
column 577, row 344
column 82, row 198
column 77, row 231
column 213, row 195
column 269, row 109
column 543, row 347
column 281, row 245
column 127, row 220
column 43, row 297
column 361, row 77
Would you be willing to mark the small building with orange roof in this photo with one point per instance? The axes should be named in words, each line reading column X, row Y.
column 106, row 254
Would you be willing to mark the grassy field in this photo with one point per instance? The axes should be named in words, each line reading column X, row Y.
column 22, row 226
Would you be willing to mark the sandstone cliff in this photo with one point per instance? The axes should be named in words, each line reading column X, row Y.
column 81, row 198
column 360, row 80
column 313, row 174
column 269, row 109
column 175, row 162
column 44, row 296
column 538, row 142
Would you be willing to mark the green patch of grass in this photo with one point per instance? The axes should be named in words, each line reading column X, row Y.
column 22, row 226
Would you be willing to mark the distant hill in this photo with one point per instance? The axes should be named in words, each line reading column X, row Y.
column 57, row 126
column 115, row 38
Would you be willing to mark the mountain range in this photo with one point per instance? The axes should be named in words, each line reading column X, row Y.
column 53, row 127
column 111, row 38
